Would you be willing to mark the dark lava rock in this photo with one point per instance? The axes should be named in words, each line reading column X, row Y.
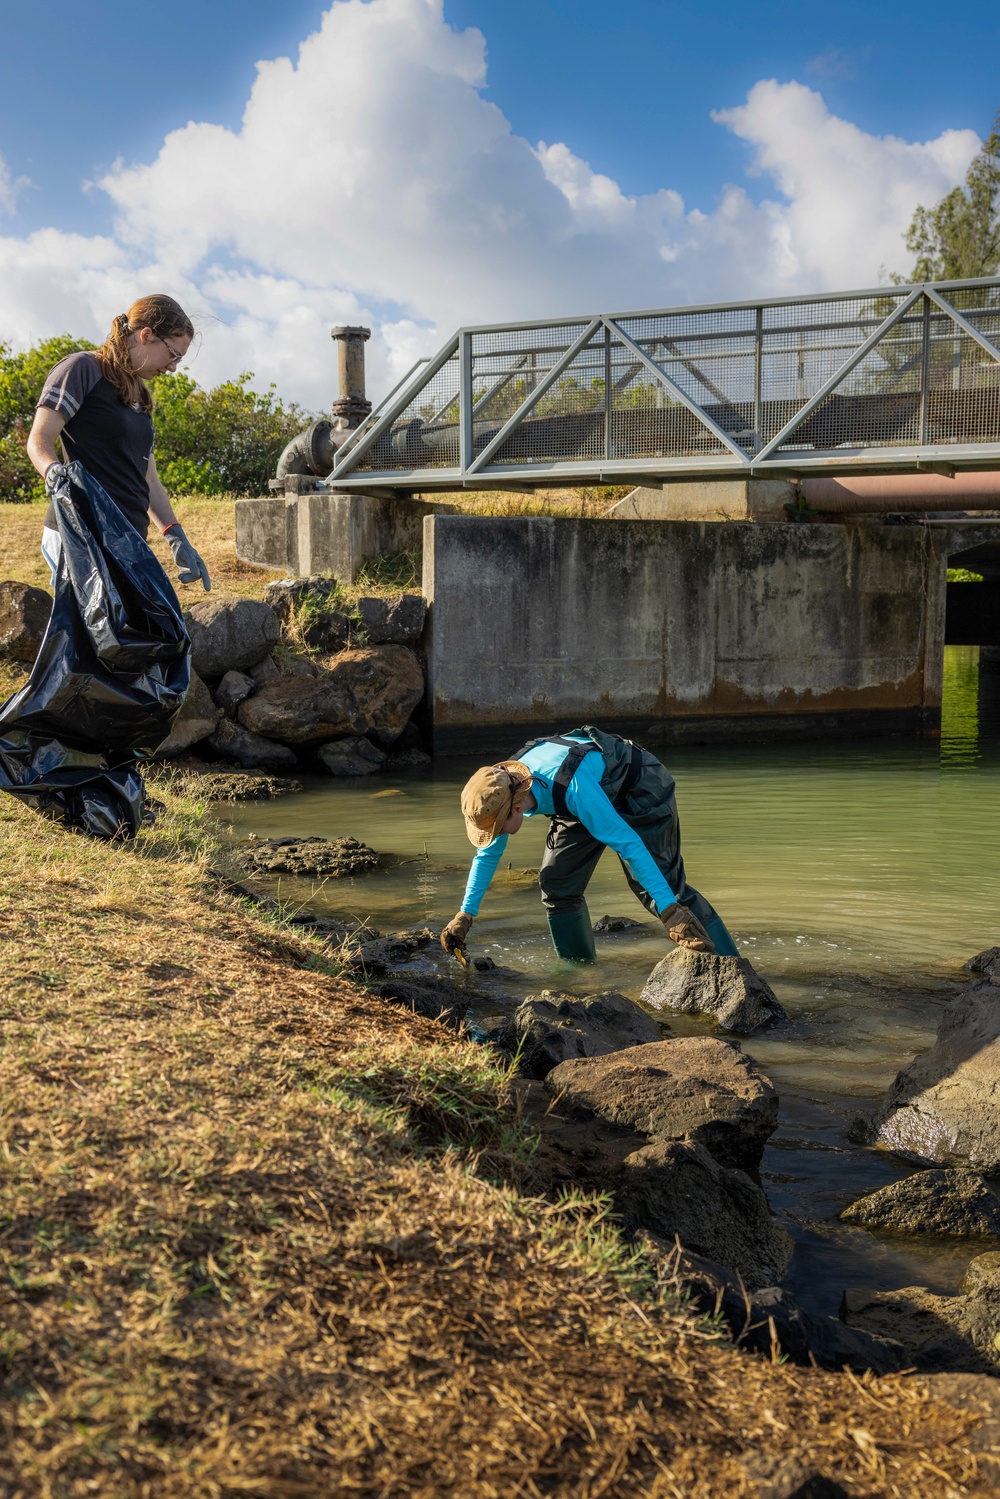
column 393, row 621
column 196, row 719
column 987, row 963
column 956, row 1333
column 430, row 995
column 285, row 595
column 355, row 756
column 371, row 691
column 677, row 1189
column 231, row 691
column 943, row 1107
column 772, row 1315
column 952, row 1204
column 783, row 1475
column 366, row 955
column 251, row 750
column 550, row 1027
column 331, row 858
column 693, row 1087
column 230, row 635
column 698, row 983
column 237, row 786
column 605, row 924
column 24, row 617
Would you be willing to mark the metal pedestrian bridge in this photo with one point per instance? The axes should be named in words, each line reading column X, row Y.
column 895, row 379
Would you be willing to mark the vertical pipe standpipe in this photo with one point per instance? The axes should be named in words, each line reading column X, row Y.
column 351, row 405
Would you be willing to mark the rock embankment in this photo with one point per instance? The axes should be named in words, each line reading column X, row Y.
column 263, row 697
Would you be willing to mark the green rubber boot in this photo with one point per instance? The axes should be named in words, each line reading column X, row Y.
column 572, row 936
column 724, row 944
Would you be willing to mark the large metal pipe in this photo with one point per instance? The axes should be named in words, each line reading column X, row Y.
column 881, row 494
column 312, row 451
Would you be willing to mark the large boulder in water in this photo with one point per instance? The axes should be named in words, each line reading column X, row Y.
column 24, row 616
column 987, row 963
column 549, row 1028
column 356, row 756
column 960, row 1333
column 944, row 1108
column 692, row 1087
column 698, row 983
column 230, row 635
column 371, row 691
column 679, row 1190
column 950, row 1204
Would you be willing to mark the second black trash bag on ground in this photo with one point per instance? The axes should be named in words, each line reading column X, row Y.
column 110, row 674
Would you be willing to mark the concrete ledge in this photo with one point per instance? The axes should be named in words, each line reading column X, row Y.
column 497, row 741
column 329, row 533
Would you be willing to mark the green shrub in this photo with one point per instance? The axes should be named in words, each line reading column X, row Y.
column 21, row 379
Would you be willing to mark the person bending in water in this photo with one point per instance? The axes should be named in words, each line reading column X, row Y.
column 599, row 791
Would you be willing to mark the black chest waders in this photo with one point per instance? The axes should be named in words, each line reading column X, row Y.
column 641, row 790
column 571, row 931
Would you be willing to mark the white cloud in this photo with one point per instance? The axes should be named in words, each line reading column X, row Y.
column 370, row 181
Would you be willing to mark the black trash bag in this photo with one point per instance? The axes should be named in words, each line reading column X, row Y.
column 110, row 675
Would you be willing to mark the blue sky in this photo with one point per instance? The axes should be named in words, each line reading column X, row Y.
column 641, row 195
column 625, row 85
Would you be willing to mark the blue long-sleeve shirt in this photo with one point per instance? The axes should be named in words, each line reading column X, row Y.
column 587, row 801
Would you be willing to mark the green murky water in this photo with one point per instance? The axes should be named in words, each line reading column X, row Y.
column 858, row 877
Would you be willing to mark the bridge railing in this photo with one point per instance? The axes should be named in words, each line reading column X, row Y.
column 893, row 378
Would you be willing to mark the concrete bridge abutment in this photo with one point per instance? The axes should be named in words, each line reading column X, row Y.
column 680, row 631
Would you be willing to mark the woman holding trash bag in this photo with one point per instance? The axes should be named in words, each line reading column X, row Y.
column 97, row 403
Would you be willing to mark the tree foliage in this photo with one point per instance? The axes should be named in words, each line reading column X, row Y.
column 222, row 441
column 960, row 237
column 21, row 379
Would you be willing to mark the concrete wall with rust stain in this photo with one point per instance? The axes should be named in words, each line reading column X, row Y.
column 674, row 630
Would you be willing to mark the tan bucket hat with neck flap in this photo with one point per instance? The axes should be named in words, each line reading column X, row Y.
column 490, row 796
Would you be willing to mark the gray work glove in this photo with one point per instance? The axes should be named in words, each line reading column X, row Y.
column 190, row 568
column 56, row 476
column 454, row 934
column 684, row 928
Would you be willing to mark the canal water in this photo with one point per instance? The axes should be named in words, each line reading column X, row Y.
column 858, row 877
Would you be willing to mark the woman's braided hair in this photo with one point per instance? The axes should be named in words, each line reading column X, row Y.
column 165, row 318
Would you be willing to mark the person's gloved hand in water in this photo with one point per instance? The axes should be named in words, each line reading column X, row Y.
column 55, row 476
column 454, row 934
column 190, row 567
column 684, row 928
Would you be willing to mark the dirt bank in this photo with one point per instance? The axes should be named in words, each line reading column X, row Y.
column 263, row 1234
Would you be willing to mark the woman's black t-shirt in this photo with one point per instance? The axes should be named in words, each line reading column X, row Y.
column 113, row 441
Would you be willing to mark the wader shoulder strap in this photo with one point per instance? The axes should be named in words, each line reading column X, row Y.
column 566, row 772
column 631, row 775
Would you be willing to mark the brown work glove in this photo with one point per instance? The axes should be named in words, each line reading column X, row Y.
column 684, row 928
column 455, row 933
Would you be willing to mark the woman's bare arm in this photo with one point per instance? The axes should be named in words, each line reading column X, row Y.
column 45, row 430
column 160, row 507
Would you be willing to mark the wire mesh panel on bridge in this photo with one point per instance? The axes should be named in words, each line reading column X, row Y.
column 806, row 382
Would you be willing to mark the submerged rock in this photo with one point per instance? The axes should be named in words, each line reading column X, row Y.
column 952, row 1204
column 550, row 1027
column 356, row 756
column 376, row 953
column 678, row 1189
column 944, row 1107
column 730, row 989
column 692, row 1087
column 605, row 924
column 332, row 858
column 408, row 759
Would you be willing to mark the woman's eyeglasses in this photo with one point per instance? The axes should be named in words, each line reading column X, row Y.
column 175, row 358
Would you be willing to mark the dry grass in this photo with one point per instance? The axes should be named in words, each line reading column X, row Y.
column 252, row 1240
